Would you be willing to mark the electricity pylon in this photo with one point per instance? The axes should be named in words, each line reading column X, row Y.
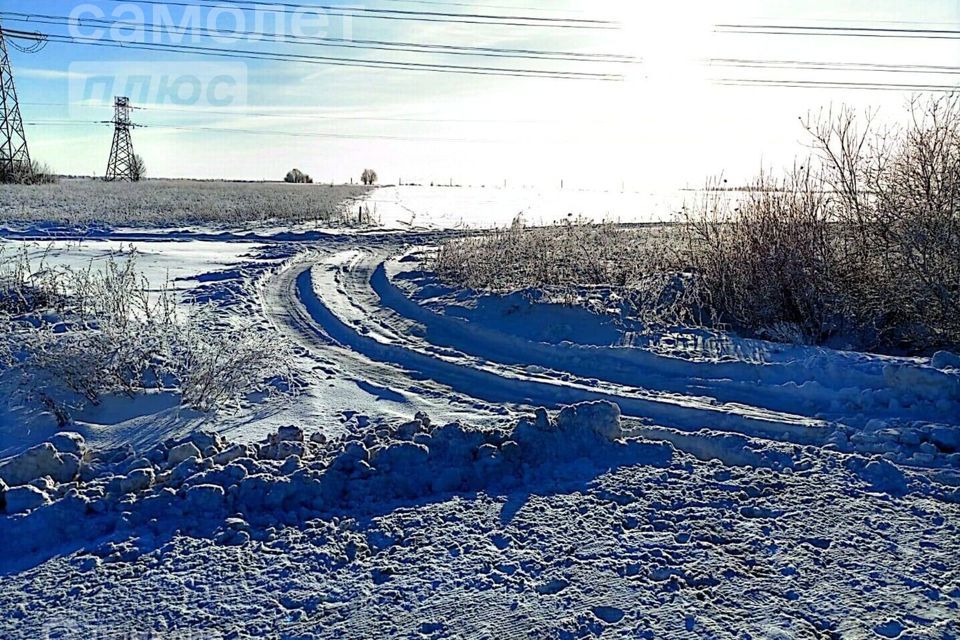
column 14, row 156
column 123, row 163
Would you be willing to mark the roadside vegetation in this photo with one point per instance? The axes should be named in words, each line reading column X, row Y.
column 164, row 203
column 859, row 245
column 70, row 338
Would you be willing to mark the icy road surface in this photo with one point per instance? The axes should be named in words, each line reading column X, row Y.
column 751, row 490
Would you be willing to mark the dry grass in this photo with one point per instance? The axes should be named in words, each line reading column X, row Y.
column 520, row 257
column 76, row 336
column 602, row 266
column 861, row 242
column 158, row 203
column 767, row 258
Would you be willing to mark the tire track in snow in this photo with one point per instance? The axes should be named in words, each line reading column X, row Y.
column 281, row 304
column 847, row 388
column 477, row 379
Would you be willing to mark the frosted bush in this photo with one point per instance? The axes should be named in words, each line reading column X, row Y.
column 858, row 244
column 78, row 335
column 520, row 257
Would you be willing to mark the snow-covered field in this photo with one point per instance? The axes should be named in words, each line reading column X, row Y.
column 680, row 485
column 418, row 207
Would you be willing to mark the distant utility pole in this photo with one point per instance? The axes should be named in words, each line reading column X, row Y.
column 123, row 164
column 14, row 155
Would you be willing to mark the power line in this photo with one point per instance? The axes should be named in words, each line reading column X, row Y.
column 275, row 132
column 832, row 66
column 858, row 21
column 306, row 116
column 440, row 3
column 850, row 32
column 411, row 12
column 834, row 28
column 451, row 18
column 329, row 60
column 817, row 84
column 297, row 116
column 379, row 45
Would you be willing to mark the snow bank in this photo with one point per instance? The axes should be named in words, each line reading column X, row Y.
column 899, row 408
column 58, row 491
column 204, row 485
column 880, row 474
column 58, row 459
column 935, row 383
column 917, row 443
column 945, row 361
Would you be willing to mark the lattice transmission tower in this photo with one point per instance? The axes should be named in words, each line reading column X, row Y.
column 123, row 163
column 14, row 156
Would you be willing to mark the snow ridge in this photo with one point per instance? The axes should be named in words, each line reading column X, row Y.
column 204, row 485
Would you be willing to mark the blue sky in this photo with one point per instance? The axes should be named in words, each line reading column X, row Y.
column 667, row 124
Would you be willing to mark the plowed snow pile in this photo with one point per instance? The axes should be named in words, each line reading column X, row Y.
column 570, row 526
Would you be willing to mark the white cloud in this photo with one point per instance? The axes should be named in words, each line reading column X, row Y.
column 49, row 74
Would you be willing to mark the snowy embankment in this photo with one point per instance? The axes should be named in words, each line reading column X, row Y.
column 62, row 492
column 681, row 531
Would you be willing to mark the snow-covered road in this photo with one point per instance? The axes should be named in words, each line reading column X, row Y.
column 346, row 309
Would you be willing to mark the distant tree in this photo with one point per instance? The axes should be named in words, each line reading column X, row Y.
column 138, row 168
column 298, row 177
column 369, row 177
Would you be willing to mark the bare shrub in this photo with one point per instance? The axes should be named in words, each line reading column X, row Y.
column 861, row 241
column 99, row 332
column 899, row 220
column 37, row 173
column 519, row 257
column 767, row 256
column 217, row 365
column 864, row 241
column 27, row 284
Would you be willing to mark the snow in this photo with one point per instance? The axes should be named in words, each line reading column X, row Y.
column 136, row 481
column 862, row 402
column 297, row 475
column 945, row 360
column 603, row 418
column 43, row 460
column 182, row 452
column 161, row 261
column 422, row 207
column 69, row 442
column 465, row 465
column 24, row 498
column 576, row 533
